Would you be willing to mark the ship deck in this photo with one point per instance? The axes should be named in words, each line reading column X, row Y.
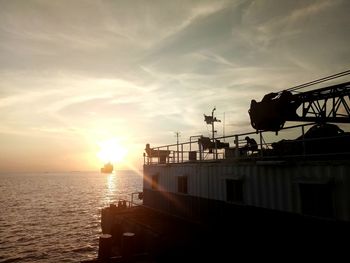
column 317, row 143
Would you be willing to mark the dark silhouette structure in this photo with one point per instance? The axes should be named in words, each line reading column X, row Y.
column 153, row 153
column 107, row 168
column 323, row 138
column 273, row 111
column 208, row 144
column 327, row 104
column 250, row 147
column 156, row 153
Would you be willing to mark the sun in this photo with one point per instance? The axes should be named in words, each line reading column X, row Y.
column 112, row 151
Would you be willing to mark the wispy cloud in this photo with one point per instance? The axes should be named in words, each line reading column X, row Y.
column 84, row 70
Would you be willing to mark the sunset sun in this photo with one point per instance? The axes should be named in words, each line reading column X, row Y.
column 111, row 150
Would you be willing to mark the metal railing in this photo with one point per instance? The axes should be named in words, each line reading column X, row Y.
column 193, row 151
column 123, row 203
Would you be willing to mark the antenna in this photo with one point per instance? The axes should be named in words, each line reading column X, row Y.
column 223, row 128
column 211, row 120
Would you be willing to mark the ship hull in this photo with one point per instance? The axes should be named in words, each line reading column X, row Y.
column 309, row 188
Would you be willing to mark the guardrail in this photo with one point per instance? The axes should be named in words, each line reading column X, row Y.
column 193, row 150
column 125, row 203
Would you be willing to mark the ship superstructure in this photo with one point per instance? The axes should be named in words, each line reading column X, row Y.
column 307, row 175
column 107, row 168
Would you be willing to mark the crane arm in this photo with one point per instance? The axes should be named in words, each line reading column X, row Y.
column 327, row 104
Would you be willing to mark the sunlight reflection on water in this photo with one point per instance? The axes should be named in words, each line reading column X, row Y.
column 55, row 217
column 111, row 183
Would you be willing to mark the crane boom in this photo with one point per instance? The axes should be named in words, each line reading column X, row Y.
column 327, row 104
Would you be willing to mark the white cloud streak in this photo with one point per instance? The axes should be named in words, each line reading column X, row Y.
column 146, row 69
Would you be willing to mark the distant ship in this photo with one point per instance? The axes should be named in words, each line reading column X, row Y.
column 108, row 168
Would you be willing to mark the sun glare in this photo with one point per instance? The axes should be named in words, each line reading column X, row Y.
column 111, row 151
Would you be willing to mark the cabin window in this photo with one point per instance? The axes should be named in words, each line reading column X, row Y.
column 234, row 191
column 182, row 184
column 155, row 179
column 316, row 199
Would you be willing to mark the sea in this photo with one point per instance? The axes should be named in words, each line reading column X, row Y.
column 55, row 217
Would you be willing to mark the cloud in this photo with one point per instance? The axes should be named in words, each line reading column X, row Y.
column 92, row 69
column 303, row 34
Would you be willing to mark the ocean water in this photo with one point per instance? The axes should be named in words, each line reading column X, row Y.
column 55, row 217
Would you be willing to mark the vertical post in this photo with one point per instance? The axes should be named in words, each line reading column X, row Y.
column 177, row 134
column 236, row 146
column 212, row 124
column 213, row 134
column 261, row 144
column 223, row 128
column 167, row 149
column 182, row 153
column 303, row 132
column 158, row 153
column 177, row 151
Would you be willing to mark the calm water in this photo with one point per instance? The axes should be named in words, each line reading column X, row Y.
column 55, row 217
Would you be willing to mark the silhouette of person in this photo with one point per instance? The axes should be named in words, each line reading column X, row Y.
column 251, row 146
column 148, row 150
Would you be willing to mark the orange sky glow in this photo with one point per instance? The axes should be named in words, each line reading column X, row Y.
column 85, row 82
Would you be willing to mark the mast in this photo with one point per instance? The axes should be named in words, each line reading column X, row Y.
column 211, row 120
column 212, row 125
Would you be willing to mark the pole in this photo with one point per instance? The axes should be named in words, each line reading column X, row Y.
column 177, row 134
column 223, row 128
column 213, row 134
column 212, row 124
column 211, row 120
column 194, row 136
column 236, row 146
column 261, row 144
column 303, row 133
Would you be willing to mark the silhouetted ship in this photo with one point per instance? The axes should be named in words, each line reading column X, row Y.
column 222, row 197
column 107, row 168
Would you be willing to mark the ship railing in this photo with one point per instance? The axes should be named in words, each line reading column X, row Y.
column 193, row 151
column 136, row 199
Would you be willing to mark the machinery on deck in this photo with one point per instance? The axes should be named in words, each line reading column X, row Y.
column 322, row 105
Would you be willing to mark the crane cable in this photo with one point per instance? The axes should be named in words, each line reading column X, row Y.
column 317, row 81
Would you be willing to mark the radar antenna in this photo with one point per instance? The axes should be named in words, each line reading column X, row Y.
column 211, row 120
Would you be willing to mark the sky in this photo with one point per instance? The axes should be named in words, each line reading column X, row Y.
column 77, row 74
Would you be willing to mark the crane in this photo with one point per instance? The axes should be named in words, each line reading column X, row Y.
column 326, row 104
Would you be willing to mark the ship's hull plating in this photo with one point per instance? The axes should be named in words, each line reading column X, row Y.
column 315, row 188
